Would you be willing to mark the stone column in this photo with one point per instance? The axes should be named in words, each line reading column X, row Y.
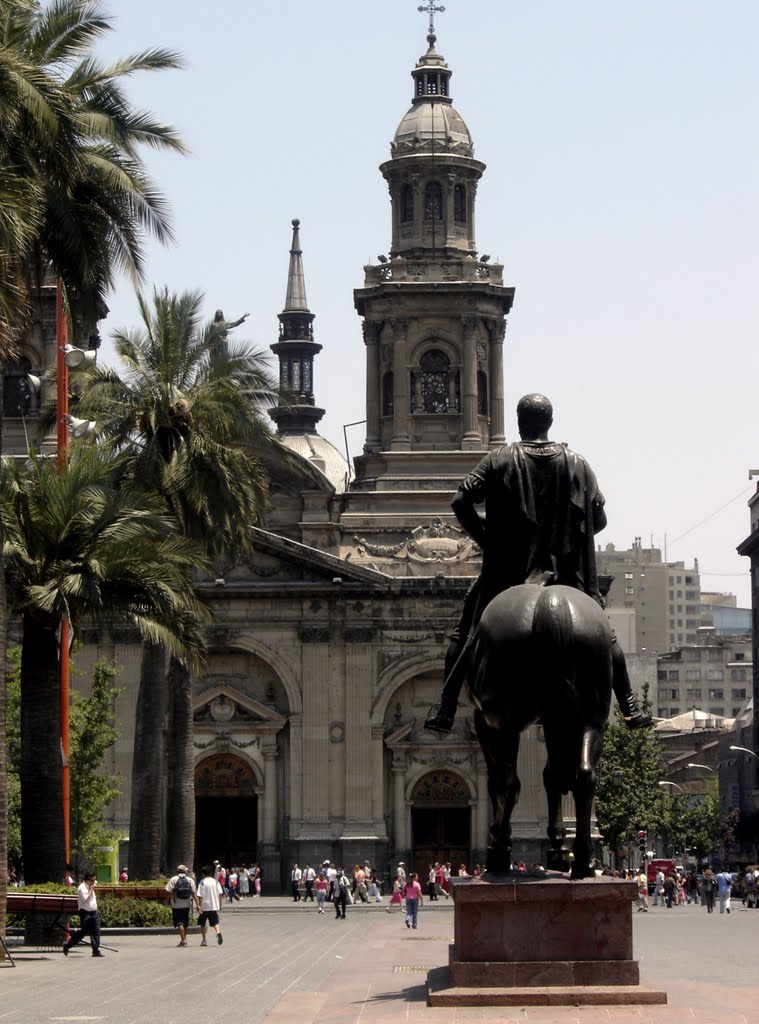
column 295, row 808
column 315, row 731
column 401, row 382
column 358, row 746
column 373, row 386
column 270, row 815
column 450, row 228
column 495, row 384
column 399, row 803
column 471, row 440
column 378, row 778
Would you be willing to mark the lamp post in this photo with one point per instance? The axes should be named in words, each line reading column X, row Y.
column 75, row 358
column 746, row 751
column 674, row 784
column 704, row 766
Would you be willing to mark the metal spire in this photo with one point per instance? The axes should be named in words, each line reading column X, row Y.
column 296, row 281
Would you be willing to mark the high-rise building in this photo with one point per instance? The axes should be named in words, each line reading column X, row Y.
column 664, row 597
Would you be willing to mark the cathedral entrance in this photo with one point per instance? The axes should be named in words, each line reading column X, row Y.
column 226, row 811
column 440, row 822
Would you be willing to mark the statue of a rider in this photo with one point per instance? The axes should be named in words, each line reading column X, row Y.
column 543, row 509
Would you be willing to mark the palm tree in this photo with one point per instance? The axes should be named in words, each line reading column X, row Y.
column 73, row 135
column 187, row 410
column 76, row 545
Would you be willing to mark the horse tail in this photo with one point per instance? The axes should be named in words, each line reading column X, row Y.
column 553, row 630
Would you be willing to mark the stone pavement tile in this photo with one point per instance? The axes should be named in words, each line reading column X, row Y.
column 297, row 1006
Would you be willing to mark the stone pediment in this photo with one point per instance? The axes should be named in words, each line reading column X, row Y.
column 223, row 706
column 272, row 550
column 435, row 542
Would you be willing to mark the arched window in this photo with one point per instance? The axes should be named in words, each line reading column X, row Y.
column 459, row 204
column 482, row 393
column 387, row 395
column 407, row 204
column 433, row 201
column 435, row 368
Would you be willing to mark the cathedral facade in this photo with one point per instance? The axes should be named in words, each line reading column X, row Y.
column 328, row 641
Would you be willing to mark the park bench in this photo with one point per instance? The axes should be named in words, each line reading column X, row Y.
column 57, row 909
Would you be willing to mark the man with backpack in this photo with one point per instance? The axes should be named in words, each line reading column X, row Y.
column 182, row 889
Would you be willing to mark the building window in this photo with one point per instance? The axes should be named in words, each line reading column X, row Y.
column 482, row 393
column 628, row 575
column 717, row 711
column 716, row 694
column 459, row 204
column 661, row 675
column 739, row 694
column 433, row 201
column 739, row 656
column 629, row 590
column 737, row 675
column 674, row 694
column 694, row 693
column 435, row 367
column 407, row 204
column 715, row 675
column 693, row 674
column 387, row 395
column 674, row 675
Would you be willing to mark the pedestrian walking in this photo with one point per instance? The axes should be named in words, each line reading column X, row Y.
column 342, row 894
column 642, row 891
column 208, row 901
column 321, row 891
column 89, row 916
column 182, row 890
column 413, row 900
column 396, row 900
column 724, row 888
column 708, row 889
column 295, row 876
column 309, row 876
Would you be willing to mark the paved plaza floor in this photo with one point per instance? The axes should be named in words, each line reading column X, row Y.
column 283, row 963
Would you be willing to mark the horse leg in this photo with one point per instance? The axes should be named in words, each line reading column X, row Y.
column 558, row 855
column 500, row 749
column 584, row 790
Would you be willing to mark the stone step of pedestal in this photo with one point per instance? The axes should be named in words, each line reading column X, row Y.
column 441, row 991
column 541, row 973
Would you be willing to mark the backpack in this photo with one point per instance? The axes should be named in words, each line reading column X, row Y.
column 183, row 888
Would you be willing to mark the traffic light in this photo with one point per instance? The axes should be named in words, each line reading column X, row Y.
column 642, row 840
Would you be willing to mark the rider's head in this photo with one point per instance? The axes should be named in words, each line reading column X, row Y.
column 534, row 417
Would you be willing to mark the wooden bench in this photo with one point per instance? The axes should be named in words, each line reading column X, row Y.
column 135, row 892
column 58, row 908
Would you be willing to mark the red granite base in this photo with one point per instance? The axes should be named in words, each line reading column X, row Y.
column 539, row 973
column 442, row 992
column 541, row 942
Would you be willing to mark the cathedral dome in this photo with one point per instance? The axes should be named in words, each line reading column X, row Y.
column 429, row 126
column 321, row 454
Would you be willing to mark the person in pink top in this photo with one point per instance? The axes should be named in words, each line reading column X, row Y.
column 413, row 900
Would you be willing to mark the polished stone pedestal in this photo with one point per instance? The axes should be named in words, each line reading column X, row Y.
column 543, row 940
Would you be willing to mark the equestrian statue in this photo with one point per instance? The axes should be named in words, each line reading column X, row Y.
column 533, row 640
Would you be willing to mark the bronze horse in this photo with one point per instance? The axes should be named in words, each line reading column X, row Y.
column 543, row 654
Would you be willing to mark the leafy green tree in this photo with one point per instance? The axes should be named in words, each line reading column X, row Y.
column 186, row 407
column 627, row 795
column 702, row 822
column 77, row 545
column 93, row 733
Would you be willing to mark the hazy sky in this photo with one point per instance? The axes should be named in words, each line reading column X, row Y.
column 621, row 193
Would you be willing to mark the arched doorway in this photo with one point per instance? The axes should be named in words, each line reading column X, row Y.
column 440, row 821
column 226, row 811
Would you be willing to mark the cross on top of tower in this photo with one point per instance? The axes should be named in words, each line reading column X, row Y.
column 431, row 8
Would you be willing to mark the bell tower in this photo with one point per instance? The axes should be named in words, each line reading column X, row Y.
column 433, row 311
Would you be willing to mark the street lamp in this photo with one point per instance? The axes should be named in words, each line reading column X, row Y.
column 674, row 784
column 704, row 766
column 746, row 751
column 68, row 356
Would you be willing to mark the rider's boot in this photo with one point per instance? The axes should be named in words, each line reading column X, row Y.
column 442, row 713
column 633, row 715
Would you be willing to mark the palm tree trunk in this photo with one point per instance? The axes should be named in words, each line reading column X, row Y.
column 148, row 767
column 42, row 836
column 3, row 742
column 180, row 818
